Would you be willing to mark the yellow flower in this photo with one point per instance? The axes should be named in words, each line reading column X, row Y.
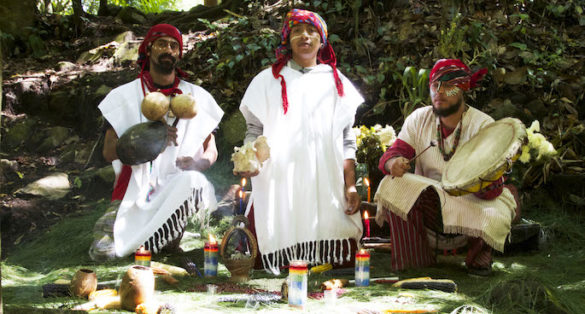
column 525, row 156
column 534, row 127
column 535, row 140
column 546, row 149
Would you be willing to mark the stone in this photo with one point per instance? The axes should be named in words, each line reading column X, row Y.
column 55, row 136
column 102, row 91
column 130, row 15
column 127, row 51
column 82, row 155
column 19, row 133
column 65, row 66
column 125, row 37
column 106, row 174
column 59, row 102
column 53, row 187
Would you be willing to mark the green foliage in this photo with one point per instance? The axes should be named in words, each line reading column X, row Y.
column 414, row 92
column 35, row 43
column 231, row 56
column 91, row 6
column 452, row 39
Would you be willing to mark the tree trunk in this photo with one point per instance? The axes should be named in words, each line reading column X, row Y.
column 48, row 8
column 210, row 3
column 77, row 14
column 103, row 10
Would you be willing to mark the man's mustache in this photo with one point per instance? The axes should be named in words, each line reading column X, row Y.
column 166, row 55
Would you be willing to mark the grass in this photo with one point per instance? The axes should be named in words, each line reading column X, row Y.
column 551, row 280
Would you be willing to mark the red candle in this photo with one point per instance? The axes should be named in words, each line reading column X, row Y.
column 367, row 223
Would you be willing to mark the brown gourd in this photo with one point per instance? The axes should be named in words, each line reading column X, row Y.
column 184, row 106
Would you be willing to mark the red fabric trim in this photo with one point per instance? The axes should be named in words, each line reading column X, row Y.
column 399, row 148
column 146, row 79
column 122, row 184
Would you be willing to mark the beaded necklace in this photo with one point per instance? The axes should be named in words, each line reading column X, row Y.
column 447, row 156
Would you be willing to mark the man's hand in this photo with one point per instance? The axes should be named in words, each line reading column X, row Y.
column 397, row 166
column 247, row 174
column 353, row 200
column 171, row 136
column 188, row 163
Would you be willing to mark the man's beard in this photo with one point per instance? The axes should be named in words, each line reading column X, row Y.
column 165, row 66
column 445, row 112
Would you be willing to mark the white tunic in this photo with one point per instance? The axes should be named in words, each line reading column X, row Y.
column 160, row 196
column 489, row 219
column 299, row 195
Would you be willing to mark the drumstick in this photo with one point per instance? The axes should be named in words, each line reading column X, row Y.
column 433, row 143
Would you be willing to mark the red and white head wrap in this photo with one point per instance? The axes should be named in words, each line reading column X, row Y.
column 326, row 54
column 455, row 72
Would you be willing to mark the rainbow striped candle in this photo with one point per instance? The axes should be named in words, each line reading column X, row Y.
column 210, row 256
column 142, row 257
column 297, row 284
column 362, row 268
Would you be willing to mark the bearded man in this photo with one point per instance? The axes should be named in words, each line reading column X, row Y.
column 424, row 218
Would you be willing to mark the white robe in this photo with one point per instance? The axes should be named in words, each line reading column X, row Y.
column 298, row 197
column 160, row 196
column 489, row 219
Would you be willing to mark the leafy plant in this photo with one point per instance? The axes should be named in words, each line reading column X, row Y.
column 414, row 90
column 452, row 39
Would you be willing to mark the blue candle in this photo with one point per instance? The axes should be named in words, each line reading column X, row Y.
column 241, row 195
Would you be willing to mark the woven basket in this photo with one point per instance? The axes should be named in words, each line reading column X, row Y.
column 239, row 268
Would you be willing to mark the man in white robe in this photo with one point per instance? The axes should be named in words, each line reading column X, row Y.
column 304, row 202
column 153, row 200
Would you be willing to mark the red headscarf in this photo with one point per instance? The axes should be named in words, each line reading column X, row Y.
column 455, row 72
column 155, row 32
column 326, row 55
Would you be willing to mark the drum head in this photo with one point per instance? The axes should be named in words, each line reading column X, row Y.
column 142, row 143
column 483, row 157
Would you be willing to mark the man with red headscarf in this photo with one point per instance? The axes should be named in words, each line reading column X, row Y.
column 304, row 197
column 152, row 201
column 422, row 218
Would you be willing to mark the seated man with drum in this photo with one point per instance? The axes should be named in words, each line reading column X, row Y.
column 158, row 167
column 422, row 214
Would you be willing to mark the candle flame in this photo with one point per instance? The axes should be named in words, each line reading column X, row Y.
column 362, row 251
column 241, row 194
column 366, row 216
column 367, row 181
column 212, row 239
column 243, row 183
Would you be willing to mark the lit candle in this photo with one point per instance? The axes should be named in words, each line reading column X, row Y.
column 142, row 256
column 367, row 183
column 362, row 268
column 210, row 257
column 241, row 196
column 367, row 223
column 243, row 184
